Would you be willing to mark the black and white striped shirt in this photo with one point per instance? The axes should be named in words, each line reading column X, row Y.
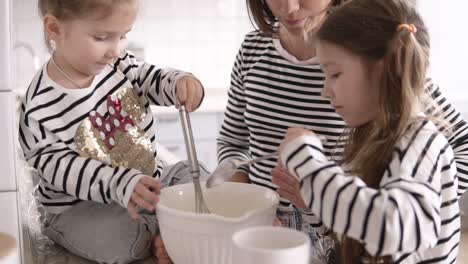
column 270, row 92
column 414, row 215
column 50, row 116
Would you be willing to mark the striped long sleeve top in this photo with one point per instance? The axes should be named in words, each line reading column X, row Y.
column 53, row 124
column 413, row 215
column 271, row 91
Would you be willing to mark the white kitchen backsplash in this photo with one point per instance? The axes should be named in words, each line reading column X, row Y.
column 201, row 37
column 449, row 42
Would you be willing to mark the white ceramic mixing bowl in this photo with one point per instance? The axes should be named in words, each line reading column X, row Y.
column 206, row 238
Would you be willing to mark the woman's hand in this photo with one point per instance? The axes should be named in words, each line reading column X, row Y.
column 239, row 176
column 189, row 92
column 288, row 186
column 145, row 195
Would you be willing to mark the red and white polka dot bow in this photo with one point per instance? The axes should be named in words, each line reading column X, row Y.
column 118, row 120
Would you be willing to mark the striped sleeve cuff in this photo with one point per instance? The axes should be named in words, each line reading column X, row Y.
column 127, row 192
column 301, row 148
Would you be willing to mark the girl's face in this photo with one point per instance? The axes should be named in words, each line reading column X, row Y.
column 351, row 84
column 88, row 45
column 294, row 15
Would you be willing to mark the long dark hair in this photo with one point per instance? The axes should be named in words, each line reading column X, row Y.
column 263, row 19
column 370, row 29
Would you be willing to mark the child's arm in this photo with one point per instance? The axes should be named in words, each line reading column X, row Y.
column 404, row 211
column 66, row 172
column 164, row 87
column 458, row 132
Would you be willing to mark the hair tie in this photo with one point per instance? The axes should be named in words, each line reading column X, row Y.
column 410, row 27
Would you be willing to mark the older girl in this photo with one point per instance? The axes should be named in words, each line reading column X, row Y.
column 395, row 198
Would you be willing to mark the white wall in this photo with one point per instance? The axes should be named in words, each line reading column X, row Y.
column 447, row 21
column 27, row 29
column 202, row 36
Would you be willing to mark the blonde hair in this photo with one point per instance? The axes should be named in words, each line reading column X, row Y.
column 370, row 29
column 67, row 10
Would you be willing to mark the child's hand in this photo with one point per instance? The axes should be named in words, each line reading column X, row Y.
column 288, row 186
column 189, row 92
column 277, row 222
column 145, row 195
column 160, row 251
column 292, row 134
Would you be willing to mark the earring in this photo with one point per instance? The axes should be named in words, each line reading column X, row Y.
column 53, row 45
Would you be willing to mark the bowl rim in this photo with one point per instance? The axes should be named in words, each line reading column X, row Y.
column 213, row 217
column 235, row 237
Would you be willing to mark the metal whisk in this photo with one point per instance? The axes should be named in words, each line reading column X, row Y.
column 200, row 205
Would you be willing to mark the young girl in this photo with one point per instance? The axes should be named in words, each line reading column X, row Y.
column 395, row 199
column 87, row 128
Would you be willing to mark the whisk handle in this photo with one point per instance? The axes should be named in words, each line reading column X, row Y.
column 189, row 142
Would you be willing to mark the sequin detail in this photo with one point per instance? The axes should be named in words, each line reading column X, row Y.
column 114, row 137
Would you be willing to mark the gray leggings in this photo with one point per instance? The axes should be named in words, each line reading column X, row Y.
column 105, row 233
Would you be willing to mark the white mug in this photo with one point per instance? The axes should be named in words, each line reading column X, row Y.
column 270, row 245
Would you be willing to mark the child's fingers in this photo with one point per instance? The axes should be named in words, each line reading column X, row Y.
column 152, row 183
column 131, row 208
column 191, row 90
column 286, row 186
column 287, row 194
column 277, row 222
column 279, row 182
column 292, row 134
column 141, row 202
column 144, row 192
column 182, row 91
column 197, row 95
column 295, row 198
column 284, row 176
